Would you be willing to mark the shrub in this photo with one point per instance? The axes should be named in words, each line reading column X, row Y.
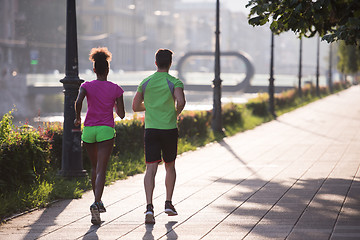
column 24, row 155
column 285, row 99
column 6, row 127
column 53, row 132
column 194, row 124
column 308, row 91
column 259, row 105
column 324, row 91
column 338, row 86
column 129, row 136
column 232, row 115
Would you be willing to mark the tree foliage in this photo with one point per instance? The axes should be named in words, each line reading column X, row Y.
column 349, row 58
column 332, row 19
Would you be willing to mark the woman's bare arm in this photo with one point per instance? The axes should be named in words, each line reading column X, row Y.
column 78, row 106
column 119, row 107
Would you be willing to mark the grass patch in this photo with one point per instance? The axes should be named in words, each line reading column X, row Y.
column 40, row 194
column 120, row 167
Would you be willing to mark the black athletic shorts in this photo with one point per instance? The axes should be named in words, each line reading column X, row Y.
column 160, row 142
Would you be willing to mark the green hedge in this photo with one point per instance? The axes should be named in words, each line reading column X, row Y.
column 24, row 155
column 28, row 154
column 129, row 137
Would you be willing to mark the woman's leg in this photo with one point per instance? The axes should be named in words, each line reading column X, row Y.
column 104, row 150
column 91, row 149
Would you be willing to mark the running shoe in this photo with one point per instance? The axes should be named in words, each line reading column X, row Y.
column 169, row 209
column 149, row 214
column 95, row 214
column 101, row 207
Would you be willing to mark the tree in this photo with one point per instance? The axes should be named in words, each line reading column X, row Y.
column 332, row 19
column 349, row 58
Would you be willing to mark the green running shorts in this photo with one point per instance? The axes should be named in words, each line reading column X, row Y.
column 95, row 134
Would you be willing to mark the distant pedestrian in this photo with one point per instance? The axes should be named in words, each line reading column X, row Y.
column 98, row 133
column 162, row 98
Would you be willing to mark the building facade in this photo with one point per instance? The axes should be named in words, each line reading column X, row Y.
column 131, row 29
column 33, row 33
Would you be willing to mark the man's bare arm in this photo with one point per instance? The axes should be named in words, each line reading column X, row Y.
column 179, row 99
column 138, row 102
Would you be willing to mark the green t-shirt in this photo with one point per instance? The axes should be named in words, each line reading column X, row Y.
column 158, row 91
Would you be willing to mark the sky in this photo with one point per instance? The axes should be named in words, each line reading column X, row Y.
column 237, row 5
column 234, row 5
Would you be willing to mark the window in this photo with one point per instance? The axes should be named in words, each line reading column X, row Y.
column 98, row 2
column 97, row 24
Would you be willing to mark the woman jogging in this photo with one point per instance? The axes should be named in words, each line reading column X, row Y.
column 98, row 133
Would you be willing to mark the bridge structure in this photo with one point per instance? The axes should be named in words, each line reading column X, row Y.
column 242, row 86
column 25, row 91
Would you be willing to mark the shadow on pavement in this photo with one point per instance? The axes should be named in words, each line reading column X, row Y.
column 229, row 149
column 91, row 233
column 148, row 234
column 311, row 207
column 171, row 234
column 307, row 130
column 48, row 217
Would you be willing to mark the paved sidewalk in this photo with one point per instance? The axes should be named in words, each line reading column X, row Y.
column 296, row 177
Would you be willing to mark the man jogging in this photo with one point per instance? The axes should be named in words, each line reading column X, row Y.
column 162, row 98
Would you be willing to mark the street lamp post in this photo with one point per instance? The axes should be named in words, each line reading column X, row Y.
column 330, row 84
column 71, row 165
column 216, row 118
column 271, row 79
column 300, row 68
column 317, row 67
column 134, row 22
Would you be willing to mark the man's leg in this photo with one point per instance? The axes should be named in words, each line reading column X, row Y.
column 149, row 184
column 170, row 184
column 169, row 146
column 170, row 179
column 149, row 180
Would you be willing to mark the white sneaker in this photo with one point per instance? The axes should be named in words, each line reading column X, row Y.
column 95, row 214
column 149, row 214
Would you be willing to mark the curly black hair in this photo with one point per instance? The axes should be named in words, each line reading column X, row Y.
column 101, row 58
